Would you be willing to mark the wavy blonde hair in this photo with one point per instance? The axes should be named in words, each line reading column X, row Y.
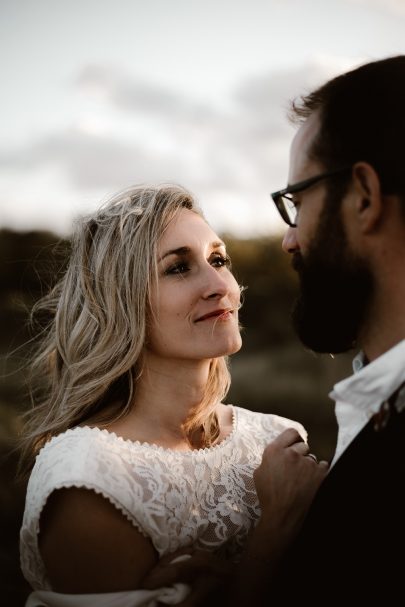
column 90, row 354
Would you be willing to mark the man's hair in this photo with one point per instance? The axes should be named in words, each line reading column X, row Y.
column 362, row 115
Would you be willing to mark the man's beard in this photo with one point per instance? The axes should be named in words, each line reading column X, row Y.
column 336, row 287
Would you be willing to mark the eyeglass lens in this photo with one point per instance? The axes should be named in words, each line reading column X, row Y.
column 290, row 210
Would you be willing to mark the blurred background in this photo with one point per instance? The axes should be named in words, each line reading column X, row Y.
column 101, row 94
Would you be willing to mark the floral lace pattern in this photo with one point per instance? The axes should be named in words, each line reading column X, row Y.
column 205, row 497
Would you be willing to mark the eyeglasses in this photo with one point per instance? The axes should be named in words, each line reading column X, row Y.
column 283, row 199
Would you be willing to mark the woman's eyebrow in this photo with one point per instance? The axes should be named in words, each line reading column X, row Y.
column 182, row 251
column 218, row 244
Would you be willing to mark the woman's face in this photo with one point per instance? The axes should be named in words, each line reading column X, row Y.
column 195, row 300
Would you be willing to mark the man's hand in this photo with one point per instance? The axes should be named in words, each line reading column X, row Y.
column 206, row 573
column 287, row 480
column 286, row 483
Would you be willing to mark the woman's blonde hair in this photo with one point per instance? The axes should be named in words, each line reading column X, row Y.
column 91, row 352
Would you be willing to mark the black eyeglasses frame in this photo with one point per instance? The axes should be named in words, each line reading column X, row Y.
column 300, row 186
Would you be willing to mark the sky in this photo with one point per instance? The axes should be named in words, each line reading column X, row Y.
column 98, row 95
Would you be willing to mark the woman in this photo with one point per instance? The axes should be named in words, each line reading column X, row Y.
column 136, row 455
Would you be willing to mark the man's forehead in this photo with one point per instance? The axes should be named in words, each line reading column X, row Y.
column 300, row 147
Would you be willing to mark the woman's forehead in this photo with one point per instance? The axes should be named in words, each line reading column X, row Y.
column 188, row 229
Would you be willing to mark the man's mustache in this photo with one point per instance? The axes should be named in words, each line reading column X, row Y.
column 297, row 262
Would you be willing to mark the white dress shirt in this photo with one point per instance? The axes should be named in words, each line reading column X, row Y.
column 361, row 395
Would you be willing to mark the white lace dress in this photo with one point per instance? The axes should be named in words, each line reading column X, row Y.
column 203, row 498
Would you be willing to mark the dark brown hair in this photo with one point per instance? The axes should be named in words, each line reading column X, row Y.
column 362, row 116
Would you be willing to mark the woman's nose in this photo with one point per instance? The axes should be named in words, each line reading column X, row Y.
column 216, row 283
column 290, row 244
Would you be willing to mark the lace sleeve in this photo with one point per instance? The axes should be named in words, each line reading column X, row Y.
column 75, row 459
column 72, row 460
column 279, row 424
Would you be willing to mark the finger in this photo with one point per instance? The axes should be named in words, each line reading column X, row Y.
column 300, row 448
column 165, row 562
column 320, row 463
column 169, row 558
column 184, row 568
column 160, row 576
column 202, row 563
column 288, row 437
column 165, row 574
column 202, row 593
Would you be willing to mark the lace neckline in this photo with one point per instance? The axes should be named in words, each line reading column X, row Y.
column 153, row 446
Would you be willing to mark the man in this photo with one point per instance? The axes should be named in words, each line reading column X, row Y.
column 346, row 213
column 345, row 209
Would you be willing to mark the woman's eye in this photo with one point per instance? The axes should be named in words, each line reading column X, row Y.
column 178, row 268
column 221, row 260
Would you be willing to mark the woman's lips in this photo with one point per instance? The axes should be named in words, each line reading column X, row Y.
column 223, row 314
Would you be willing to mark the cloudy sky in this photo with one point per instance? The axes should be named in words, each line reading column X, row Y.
column 101, row 94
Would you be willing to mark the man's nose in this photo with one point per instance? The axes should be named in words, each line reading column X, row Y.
column 290, row 244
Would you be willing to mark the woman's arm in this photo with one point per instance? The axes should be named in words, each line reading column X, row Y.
column 88, row 546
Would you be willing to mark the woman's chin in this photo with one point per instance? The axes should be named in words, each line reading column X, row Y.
column 233, row 346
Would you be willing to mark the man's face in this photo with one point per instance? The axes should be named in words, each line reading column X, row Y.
column 335, row 288
column 335, row 282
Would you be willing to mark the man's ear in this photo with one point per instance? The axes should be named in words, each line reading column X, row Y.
column 368, row 198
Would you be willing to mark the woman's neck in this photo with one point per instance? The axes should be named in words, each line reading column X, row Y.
column 167, row 394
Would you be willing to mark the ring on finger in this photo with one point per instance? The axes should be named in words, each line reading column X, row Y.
column 312, row 456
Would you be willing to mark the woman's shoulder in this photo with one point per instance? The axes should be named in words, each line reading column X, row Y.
column 72, row 444
column 87, row 458
column 269, row 423
column 79, row 457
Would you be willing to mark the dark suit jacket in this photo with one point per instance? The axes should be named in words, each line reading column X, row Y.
column 351, row 550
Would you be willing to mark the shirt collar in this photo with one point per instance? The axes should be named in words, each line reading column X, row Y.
column 374, row 382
